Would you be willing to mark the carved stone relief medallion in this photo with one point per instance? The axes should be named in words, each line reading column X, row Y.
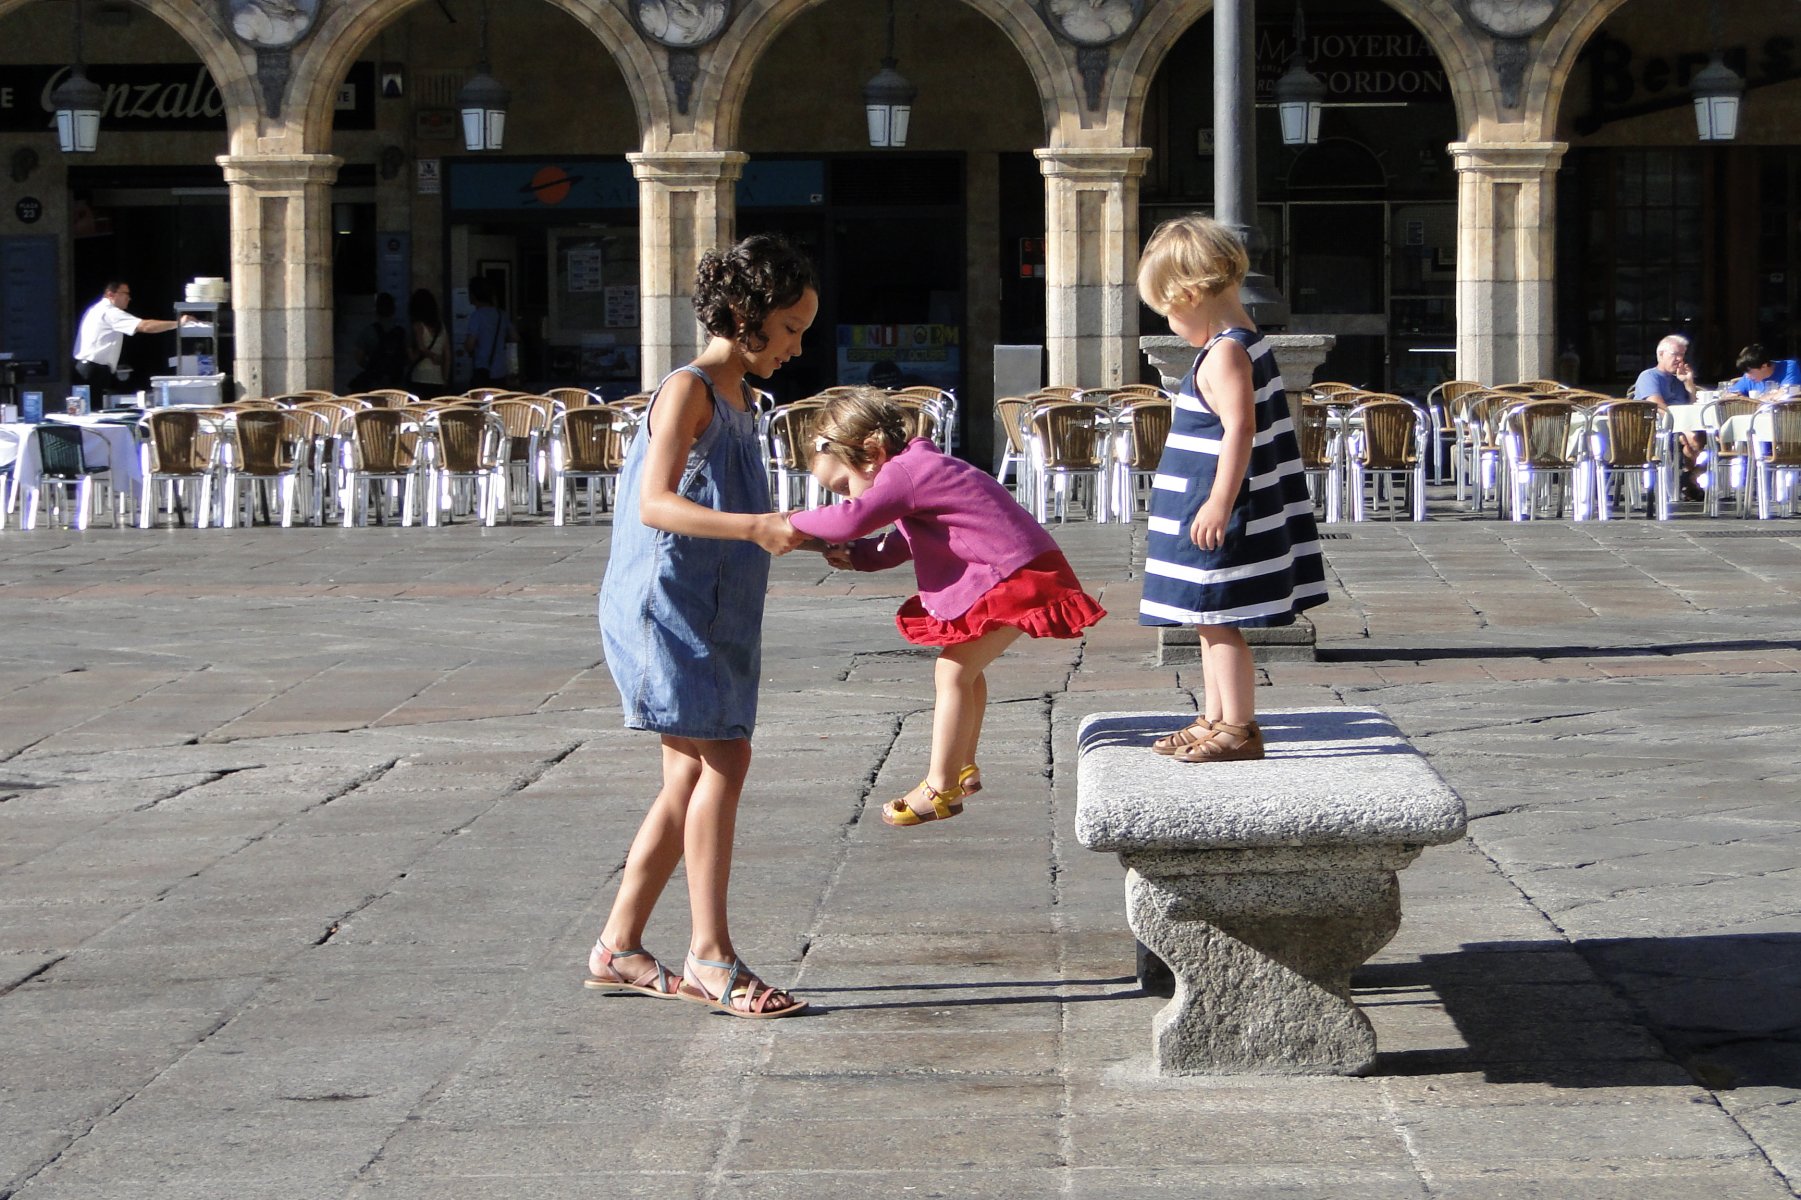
column 270, row 24
column 1510, row 18
column 1092, row 22
column 682, row 24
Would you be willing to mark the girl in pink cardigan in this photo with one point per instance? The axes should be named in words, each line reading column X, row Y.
column 987, row 571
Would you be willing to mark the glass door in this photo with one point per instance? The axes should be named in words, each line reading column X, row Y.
column 1338, row 284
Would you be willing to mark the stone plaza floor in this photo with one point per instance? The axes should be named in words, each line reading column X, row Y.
column 304, row 836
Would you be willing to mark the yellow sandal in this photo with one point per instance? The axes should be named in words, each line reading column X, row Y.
column 970, row 780
column 945, row 805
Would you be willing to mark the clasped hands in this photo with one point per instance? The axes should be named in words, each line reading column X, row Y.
column 776, row 534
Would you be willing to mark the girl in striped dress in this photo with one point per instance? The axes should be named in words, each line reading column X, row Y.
column 1232, row 541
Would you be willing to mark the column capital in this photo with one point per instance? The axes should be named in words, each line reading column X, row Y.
column 1093, row 162
column 695, row 168
column 279, row 170
column 1517, row 161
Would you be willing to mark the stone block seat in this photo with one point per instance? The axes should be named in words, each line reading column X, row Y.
column 1262, row 885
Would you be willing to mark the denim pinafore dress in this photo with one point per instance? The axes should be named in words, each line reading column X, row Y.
column 681, row 618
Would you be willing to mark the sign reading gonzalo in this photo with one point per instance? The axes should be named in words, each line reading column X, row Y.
column 153, row 97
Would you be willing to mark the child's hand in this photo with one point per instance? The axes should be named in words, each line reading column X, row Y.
column 1209, row 528
column 838, row 556
column 776, row 534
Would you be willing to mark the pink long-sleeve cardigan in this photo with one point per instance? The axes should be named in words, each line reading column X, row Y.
column 964, row 532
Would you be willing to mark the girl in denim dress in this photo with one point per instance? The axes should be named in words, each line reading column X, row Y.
column 681, row 618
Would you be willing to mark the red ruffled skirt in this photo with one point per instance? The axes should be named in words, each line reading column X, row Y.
column 1044, row 598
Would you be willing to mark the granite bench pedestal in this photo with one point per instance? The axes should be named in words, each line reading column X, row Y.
column 1262, row 885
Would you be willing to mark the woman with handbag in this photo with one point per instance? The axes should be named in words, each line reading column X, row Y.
column 430, row 370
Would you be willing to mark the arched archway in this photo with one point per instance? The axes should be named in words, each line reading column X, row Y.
column 146, row 206
column 1364, row 250
column 414, row 210
column 346, row 32
column 1658, row 232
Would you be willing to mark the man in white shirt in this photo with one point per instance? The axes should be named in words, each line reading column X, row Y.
column 101, row 336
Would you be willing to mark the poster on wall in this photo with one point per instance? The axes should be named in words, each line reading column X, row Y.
column 585, row 269
column 622, row 306
column 891, row 356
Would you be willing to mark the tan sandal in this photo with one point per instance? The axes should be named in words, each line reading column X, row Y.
column 1185, row 737
column 744, row 995
column 1227, row 743
column 604, row 976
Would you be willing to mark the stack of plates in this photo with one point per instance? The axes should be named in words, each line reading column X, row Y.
column 208, row 289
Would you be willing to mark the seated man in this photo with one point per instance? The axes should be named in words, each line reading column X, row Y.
column 1672, row 381
column 1762, row 373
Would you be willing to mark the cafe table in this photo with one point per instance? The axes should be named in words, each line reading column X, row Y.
column 106, row 442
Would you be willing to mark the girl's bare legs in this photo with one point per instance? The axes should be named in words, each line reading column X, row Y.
column 962, row 694
column 1228, row 674
column 656, row 849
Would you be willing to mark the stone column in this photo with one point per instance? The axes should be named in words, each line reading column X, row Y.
column 1506, row 259
column 686, row 207
column 1091, row 252
column 281, row 270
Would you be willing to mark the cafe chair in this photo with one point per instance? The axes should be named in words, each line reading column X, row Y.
column 574, row 397
column 468, row 447
column 266, row 454
column 925, row 418
column 1385, row 441
column 1440, row 403
column 1727, row 457
column 1776, row 455
column 588, row 444
column 1141, row 426
column 527, row 421
column 1626, row 451
column 181, row 452
column 1541, row 452
column 1321, row 466
column 788, row 438
column 379, row 460
column 1059, row 391
column 1010, row 412
column 1067, row 445
column 64, row 480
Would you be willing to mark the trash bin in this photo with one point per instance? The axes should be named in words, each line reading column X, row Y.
column 186, row 389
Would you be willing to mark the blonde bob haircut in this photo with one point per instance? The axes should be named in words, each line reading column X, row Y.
column 853, row 423
column 1190, row 259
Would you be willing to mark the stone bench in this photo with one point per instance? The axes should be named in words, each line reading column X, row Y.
column 1262, row 885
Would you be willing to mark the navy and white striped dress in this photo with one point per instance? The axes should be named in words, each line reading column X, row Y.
column 1269, row 566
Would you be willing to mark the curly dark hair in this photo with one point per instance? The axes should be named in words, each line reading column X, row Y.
column 743, row 284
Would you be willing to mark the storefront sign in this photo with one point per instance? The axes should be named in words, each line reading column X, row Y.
column 563, row 187
column 1380, row 60
column 1623, row 83
column 900, row 355
column 28, row 210
column 152, row 97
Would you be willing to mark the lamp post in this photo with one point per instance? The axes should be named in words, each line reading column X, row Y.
column 1235, row 150
column 78, row 101
column 483, row 102
column 1300, row 94
column 1717, row 88
column 888, row 98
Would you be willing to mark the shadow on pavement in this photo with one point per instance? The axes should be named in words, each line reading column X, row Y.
column 1607, row 1012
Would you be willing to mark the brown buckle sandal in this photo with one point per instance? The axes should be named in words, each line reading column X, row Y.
column 1226, row 743
column 1185, row 737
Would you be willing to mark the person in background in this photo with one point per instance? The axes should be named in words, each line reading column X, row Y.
column 489, row 335
column 1672, row 381
column 430, row 369
column 100, row 338
column 1761, row 373
column 381, row 350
